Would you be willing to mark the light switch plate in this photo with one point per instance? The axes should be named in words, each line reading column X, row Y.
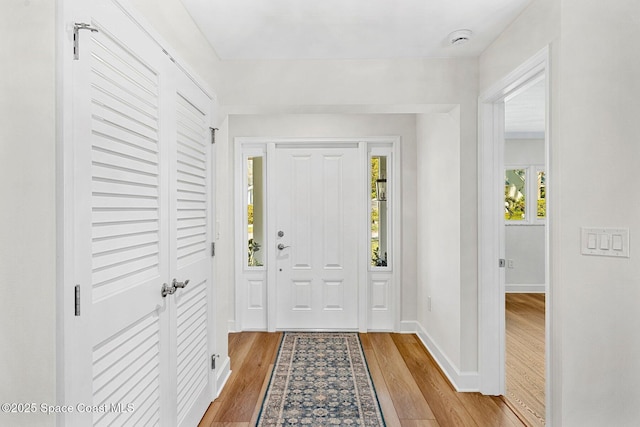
column 609, row 242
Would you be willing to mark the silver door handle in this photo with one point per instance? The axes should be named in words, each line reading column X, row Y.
column 167, row 290
column 281, row 246
column 177, row 284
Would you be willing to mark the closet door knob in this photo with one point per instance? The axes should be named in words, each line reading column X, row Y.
column 177, row 284
column 167, row 290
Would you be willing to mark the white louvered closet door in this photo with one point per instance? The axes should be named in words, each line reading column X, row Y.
column 141, row 218
column 190, row 250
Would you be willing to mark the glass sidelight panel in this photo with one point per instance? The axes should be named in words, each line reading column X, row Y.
column 541, row 212
column 255, row 211
column 515, row 194
column 379, row 201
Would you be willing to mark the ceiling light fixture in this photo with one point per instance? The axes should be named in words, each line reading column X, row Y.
column 459, row 37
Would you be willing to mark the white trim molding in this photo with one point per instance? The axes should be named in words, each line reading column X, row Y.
column 520, row 288
column 222, row 375
column 231, row 326
column 491, row 229
column 462, row 381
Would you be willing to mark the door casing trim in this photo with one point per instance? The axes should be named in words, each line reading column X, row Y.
column 491, row 310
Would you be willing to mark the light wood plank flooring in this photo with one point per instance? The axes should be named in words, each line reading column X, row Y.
column 525, row 341
column 411, row 389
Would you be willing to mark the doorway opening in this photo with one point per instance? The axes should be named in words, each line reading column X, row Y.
column 514, row 181
column 525, row 217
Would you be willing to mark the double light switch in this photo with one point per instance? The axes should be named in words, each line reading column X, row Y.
column 612, row 242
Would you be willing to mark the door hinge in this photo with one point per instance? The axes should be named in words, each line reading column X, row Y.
column 213, row 360
column 76, row 37
column 77, row 300
column 502, row 263
column 213, row 135
column 213, row 249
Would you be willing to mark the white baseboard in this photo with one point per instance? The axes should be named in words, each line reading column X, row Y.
column 231, row 326
column 461, row 381
column 222, row 375
column 408, row 327
column 525, row 289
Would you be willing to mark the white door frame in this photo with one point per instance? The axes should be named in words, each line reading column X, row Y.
column 491, row 286
column 268, row 147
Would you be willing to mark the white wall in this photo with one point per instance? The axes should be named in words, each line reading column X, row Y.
column 598, row 154
column 439, row 231
column 348, row 82
column 352, row 125
column 535, row 28
column 523, row 152
column 594, row 148
column 28, row 214
column 525, row 246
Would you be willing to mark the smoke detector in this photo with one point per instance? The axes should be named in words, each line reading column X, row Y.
column 460, row 37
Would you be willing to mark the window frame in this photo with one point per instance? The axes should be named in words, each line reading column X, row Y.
column 531, row 194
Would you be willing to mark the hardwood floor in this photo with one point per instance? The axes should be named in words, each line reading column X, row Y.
column 525, row 341
column 412, row 390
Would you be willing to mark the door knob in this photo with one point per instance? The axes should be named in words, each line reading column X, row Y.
column 167, row 290
column 281, row 246
column 177, row 284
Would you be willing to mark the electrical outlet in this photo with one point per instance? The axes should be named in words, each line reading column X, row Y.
column 510, row 263
column 429, row 303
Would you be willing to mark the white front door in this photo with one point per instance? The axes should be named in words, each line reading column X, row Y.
column 318, row 192
column 141, row 180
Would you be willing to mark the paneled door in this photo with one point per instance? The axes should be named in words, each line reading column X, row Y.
column 317, row 194
column 141, row 218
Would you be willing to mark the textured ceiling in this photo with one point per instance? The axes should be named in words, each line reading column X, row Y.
column 349, row 29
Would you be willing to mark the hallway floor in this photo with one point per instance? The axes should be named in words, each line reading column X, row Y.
column 412, row 390
column 525, row 341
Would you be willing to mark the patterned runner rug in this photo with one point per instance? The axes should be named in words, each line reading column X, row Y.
column 320, row 379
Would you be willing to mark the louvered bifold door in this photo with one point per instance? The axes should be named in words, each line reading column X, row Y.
column 121, row 224
column 190, row 250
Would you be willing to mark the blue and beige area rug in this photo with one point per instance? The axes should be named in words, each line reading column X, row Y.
column 320, row 379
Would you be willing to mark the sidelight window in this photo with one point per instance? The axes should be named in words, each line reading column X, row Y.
column 379, row 211
column 255, row 207
column 541, row 193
